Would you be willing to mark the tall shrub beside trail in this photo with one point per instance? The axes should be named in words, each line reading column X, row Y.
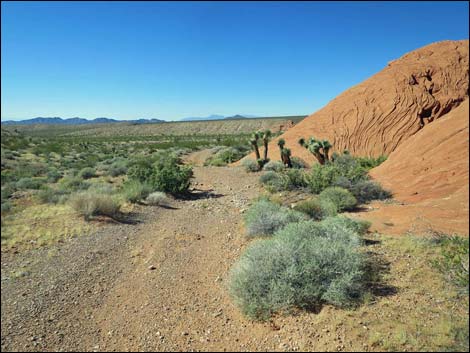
column 302, row 266
column 264, row 218
column 166, row 174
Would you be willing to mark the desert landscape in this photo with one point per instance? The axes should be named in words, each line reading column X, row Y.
column 343, row 230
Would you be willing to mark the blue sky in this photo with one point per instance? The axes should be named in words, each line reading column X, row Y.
column 171, row 60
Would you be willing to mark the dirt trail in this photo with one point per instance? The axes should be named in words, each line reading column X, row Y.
column 159, row 284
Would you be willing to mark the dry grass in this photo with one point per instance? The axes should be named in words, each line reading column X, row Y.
column 39, row 225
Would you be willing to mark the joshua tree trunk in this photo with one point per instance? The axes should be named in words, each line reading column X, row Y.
column 320, row 158
column 255, row 147
column 265, row 150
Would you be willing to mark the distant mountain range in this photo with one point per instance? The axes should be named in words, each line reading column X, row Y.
column 77, row 121
column 81, row 121
column 218, row 117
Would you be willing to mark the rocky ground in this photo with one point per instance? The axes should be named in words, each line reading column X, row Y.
column 160, row 284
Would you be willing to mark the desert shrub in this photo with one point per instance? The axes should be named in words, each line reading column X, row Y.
column 343, row 171
column 349, row 167
column 370, row 162
column 73, row 183
column 157, row 198
column 358, row 226
column 53, row 175
column 299, row 267
column 263, row 218
column 342, row 198
column 275, row 166
column 298, row 163
column 226, row 156
column 296, row 178
column 321, row 177
column 274, row 181
column 102, row 188
column 367, row 190
column 49, row 195
column 30, row 183
column 7, row 190
column 250, row 165
column 453, row 260
column 117, row 169
column 90, row 204
column 287, row 180
column 135, row 190
column 166, row 174
column 87, row 173
column 316, row 208
column 6, row 206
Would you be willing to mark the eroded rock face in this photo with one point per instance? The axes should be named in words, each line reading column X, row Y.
column 376, row 116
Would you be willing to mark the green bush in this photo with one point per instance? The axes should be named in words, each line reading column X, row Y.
column 356, row 225
column 275, row 166
column 302, row 266
column 90, row 204
column 370, row 162
column 341, row 198
column 6, row 206
column 250, row 165
column 298, row 163
column 117, row 169
column 274, row 182
column 453, row 261
column 30, row 183
column 135, row 190
column 166, row 174
column 49, row 195
column 263, row 218
column 53, row 175
column 296, row 177
column 226, row 156
column 87, row 173
column 316, row 208
column 71, row 184
column 157, row 198
column 367, row 190
column 321, row 177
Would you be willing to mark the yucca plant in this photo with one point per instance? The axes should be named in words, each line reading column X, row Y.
column 319, row 148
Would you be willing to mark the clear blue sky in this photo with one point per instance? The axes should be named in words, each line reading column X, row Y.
column 170, row 60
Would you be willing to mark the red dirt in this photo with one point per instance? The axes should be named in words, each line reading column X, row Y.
column 429, row 173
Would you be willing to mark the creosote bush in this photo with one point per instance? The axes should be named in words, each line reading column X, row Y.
column 157, row 198
column 166, row 174
column 275, row 166
column 90, row 204
column 87, row 173
column 316, row 208
column 303, row 265
column 341, row 198
column 30, row 183
column 263, row 218
column 366, row 190
column 135, row 190
column 250, row 165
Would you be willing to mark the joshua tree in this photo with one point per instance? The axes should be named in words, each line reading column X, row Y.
column 266, row 136
column 319, row 148
column 285, row 153
column 254, row 143
column 285, row 156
